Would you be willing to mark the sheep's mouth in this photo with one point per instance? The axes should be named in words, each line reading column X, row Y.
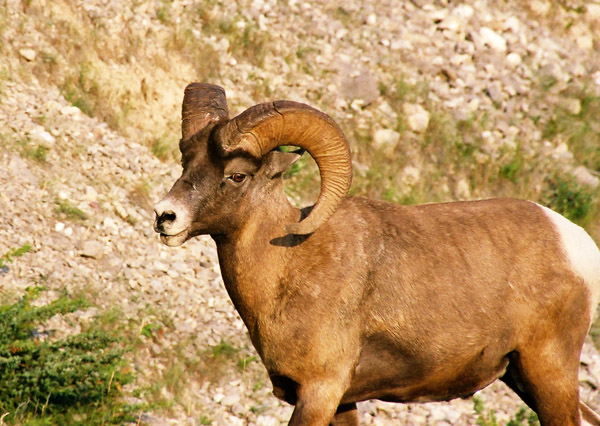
column 174, row 240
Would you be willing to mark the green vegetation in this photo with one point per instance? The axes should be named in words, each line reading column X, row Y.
column 47, row 380
column 67, row 210
column 204, row 420
column 163, row 13
column 523, row 417
column 211, row 365
column 163, row 148
column 573, row 121
column 569, row 199
column 76, row 380
column 581, row 130
column 11, row 254
column 33, row 151
column 246, row 42
column 149, row 329
column 82, row 89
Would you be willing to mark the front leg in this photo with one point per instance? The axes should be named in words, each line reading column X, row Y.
column 317, row 403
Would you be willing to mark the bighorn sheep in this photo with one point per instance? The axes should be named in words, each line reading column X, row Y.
column 358, row 299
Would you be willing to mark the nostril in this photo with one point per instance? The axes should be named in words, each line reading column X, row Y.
column 168, row 216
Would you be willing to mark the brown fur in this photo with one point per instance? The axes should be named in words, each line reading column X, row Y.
column 422, row 303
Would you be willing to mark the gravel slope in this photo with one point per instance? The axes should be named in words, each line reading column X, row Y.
column 474, row 56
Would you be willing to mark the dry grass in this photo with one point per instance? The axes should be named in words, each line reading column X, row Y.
column 130, row 80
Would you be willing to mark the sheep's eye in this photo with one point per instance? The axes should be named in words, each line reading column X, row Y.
column 238, row 177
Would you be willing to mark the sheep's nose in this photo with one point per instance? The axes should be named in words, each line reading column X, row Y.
column 172, row 217
column 167, row 217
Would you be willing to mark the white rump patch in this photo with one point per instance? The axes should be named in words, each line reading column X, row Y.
column 581, row 251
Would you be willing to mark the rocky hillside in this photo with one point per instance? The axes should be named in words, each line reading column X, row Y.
column 439, row 100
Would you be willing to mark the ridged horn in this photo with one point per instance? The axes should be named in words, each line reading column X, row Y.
column 203, row 104
column 264, row 127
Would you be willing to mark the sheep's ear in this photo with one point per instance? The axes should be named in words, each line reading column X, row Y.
column 276, row 162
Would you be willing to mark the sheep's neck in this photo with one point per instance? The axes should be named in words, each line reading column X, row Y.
column 253, row 261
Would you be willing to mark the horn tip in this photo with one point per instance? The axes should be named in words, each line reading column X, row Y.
column 203, row 86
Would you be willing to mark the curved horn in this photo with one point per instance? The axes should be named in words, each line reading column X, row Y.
column 264, row 127
column 203, row 104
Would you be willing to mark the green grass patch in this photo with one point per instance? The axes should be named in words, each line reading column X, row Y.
column 149, row 330
column 10, row 255
column 512, row 168
column 82, row 90
column 32, row 151
column 204, row 420
column 569, row 199
column 76, row 380
column 224, row 350
column 163, row 148
column 68, row 211
column 163, row 13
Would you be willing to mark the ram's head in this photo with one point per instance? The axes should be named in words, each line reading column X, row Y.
column 226, row 162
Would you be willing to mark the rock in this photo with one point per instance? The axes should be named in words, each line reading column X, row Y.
column 585, row 42
column 492, row 39
column 494, row 91
column 28, row 53
column 110, row 225
column 562, row 152
column 513, row 24
column 540, row 7
column 231, row 399
column 417, row 117
column 513, row 59
column 386, row 140
column 93, row 249
column 20, row 170
column 71, row 111
column 266, row 420
column 451, row 23
column 572, row 105
column 91, row 194
column 361, row 85
column 592, row 11
column 120, row 210
column 42, row 137
column 462, row 190
column 410, row 176
column 463, row 11
column 583, row 176
column 160, row 266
